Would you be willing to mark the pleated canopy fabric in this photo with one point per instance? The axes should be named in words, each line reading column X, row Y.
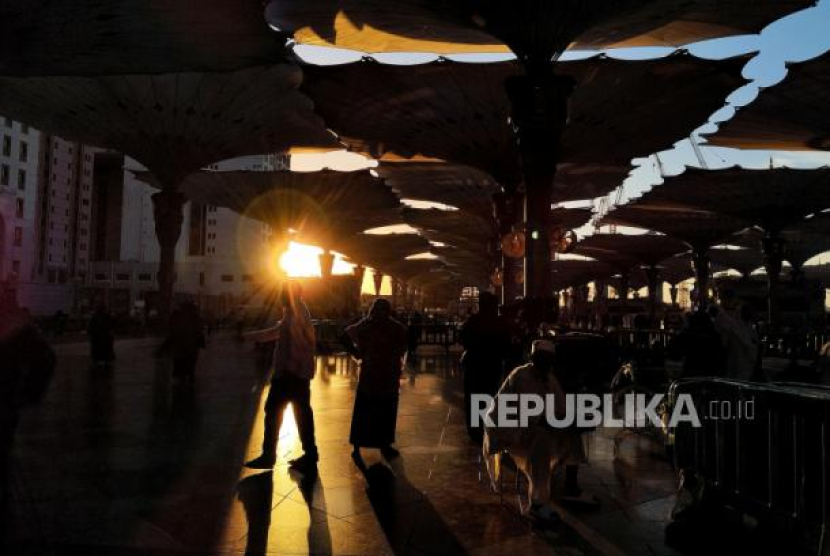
column 571, row 218
column 324, row 208
column 379, row 250
column 626, row 251
column 802, row 241
column 575, row 182
column 700, row 229
column 409, row 269
column 173, row 124
column 120, row 37
column 458, row 112
column 772, row 199
column 576, row 272
column 529, row 27
column 676, row 269
column 455, row 185
column 451, row 223
column 793, row 115
column 745, row 261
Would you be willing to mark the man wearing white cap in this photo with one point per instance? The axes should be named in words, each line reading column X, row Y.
column 537, row 448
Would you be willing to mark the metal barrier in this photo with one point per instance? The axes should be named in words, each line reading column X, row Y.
column 329, row 334
column 762, row 449
column 444, row 335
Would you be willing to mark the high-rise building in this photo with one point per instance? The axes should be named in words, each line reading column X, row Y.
column 76, row 229
column 221, row 257
column 46, row 212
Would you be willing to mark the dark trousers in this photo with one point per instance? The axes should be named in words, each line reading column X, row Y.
column 296, row 391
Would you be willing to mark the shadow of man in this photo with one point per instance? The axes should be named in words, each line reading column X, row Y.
column 319, row 536
column 256, row 494
column 407, row 517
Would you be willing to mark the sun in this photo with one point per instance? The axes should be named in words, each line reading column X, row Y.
column 302, row 261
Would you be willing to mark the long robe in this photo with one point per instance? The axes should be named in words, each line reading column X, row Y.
column 380, row 344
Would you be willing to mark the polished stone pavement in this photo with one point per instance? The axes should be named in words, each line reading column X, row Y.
column 132, row 462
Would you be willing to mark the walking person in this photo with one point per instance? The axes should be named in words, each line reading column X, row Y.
column 101, row 339
column 291, row 383
column 185, row 339
column 487, row 343
column 380, row 343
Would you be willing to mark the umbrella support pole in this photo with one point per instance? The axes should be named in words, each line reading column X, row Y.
column 168, row 215
column 539, row 113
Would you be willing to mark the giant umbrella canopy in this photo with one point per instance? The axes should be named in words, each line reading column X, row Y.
column 120, row 37
column 802, row 241
column 326, row 208
column 455, row 185
column 530, row 28
column 793, row 115
column 173, row 124
column 629, row 251
column 458, row 112
column 771, row 199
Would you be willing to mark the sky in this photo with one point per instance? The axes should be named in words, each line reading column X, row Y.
column 793, row 39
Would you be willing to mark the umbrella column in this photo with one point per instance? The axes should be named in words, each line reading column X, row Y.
column 168, row 214
column 359, row 272
column 773, row 250
column 377, row 277
column 624, row 283
column 653, row 278
column 700, row 261
column 326, row 264
column 539, row 110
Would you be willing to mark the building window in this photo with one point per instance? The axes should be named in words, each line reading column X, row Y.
column 21, row 179
column 247, row 278
column 4, row 174
column 100, row 277
column 201, row 278
column 7, row 145
column 144, row 277
column 24, row 128
column 227, row 277
column 122, row 277
column 18, row 236
column 24, row 151
column 16, row 267
column 19, row 208
column 8, row 122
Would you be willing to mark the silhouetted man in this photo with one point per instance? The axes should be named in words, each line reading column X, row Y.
column 185, row 339
column 486, row 340
column 26, row 365
column 291, row 383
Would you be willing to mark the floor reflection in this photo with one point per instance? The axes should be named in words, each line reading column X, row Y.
column 150, row 465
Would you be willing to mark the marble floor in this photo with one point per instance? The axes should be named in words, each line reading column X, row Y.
column 131, row 462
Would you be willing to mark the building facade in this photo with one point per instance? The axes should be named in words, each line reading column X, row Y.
column 77, row 229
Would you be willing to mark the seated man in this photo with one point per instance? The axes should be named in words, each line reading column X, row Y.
column 538, row 447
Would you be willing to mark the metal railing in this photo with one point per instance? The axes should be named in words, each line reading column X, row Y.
column 329, row 333
column 762, row 448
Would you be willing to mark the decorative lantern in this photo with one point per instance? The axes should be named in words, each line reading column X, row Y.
column 497, row 279
column 513, row 244
column 562, row 240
